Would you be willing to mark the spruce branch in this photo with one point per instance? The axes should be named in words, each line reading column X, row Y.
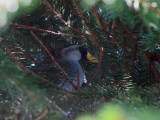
column 124, row 53
column 42, row 115
column 85, row 21
column 153, row 66
column 21, row 65
column 78, row 80
column 101, row 22
column 128, row 33
column 134, row 57
column 59, row 109
column 64, row 22
column 98, row 66
column 13, row 80
column 42, row 30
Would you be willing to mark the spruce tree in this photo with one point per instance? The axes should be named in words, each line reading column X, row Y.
column 122, row 34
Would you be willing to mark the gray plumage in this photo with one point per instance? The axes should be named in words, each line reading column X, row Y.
column 69, row 60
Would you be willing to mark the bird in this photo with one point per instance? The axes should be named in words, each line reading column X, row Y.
column 69, row 59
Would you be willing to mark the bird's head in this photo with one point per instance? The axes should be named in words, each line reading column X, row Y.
column 77, row 53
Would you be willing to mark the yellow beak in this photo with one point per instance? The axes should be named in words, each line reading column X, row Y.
column 91, row 58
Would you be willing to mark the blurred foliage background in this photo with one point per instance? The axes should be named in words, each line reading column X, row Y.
column 123, row 34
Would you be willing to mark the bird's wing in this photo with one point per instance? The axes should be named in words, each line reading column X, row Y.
column 64, row 64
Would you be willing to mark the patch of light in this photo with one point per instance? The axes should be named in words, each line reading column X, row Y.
column 136, row 4
column 85, row 80
column 12, row 5
column 154, row 4
column 100, row 10
column 110, row 36
column 46, row 19
column 25, row 2
column 33, row 64
column 109, row 2
column 108, row 53
column 69, row 110
column 3, row 18
column 129, row 2
column 2, row 2
column 21, row 58
column 117, row 52
column 90, row 2
column 145, row 8
column 153, row 25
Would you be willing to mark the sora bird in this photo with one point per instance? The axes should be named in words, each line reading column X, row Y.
column 69, row 60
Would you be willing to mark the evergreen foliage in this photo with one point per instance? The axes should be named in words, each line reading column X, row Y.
column 123, row 35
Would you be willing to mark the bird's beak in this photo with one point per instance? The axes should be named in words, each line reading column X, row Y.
column 91, row 58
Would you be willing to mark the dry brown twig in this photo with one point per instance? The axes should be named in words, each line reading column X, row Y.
column 42, row 116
